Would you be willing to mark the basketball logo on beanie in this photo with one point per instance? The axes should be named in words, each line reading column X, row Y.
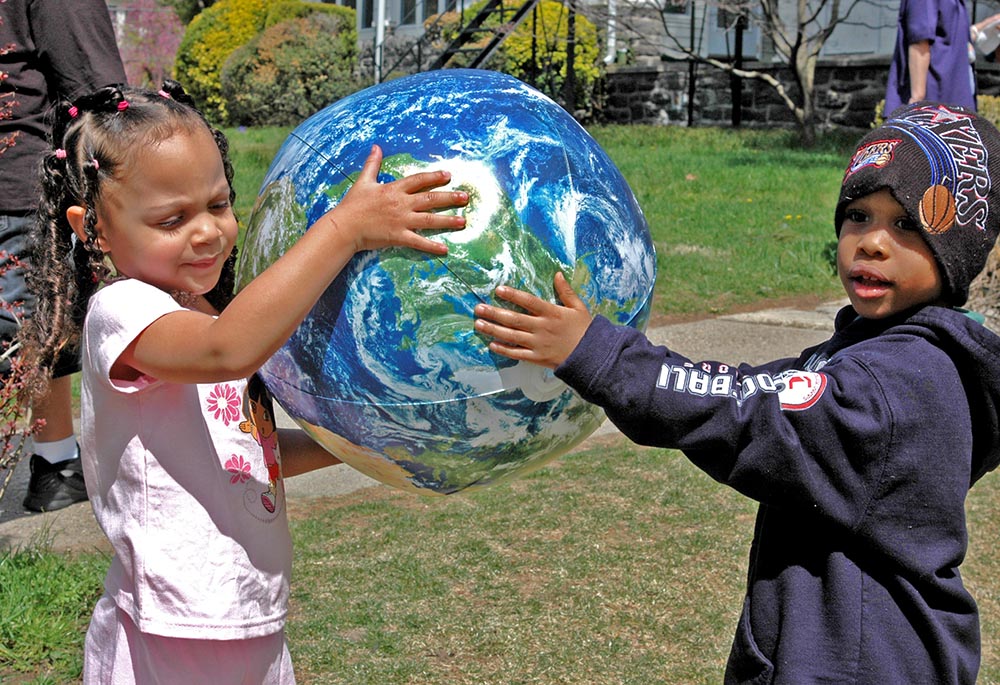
column 877, row 154
column 939, row 163
column 937, row 209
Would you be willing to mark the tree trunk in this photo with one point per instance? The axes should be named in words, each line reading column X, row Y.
column 805, row 75
column 984, row 293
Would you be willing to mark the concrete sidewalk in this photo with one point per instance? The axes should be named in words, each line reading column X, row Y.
column 753, row 337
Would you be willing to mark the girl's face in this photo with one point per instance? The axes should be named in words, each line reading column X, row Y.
column 167, row 221
column 883, row 261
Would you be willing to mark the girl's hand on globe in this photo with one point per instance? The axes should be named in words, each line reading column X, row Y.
column 382, row 215
column 544, row 334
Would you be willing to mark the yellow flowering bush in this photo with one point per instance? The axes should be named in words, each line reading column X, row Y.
column 536, row 51
column 209, row 40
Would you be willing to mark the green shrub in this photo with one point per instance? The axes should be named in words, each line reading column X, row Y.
column 536, row 51
column 209, row 40
column 284, row 10
column 291, row 70
column 989, row 108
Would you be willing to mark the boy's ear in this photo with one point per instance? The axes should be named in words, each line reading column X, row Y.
column 76, row 216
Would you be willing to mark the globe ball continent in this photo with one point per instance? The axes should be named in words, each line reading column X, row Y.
column 386, row 372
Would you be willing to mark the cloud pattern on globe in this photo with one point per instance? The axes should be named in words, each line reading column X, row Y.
column 386, row 372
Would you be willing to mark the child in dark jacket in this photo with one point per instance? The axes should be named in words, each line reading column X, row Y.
column 862, row 450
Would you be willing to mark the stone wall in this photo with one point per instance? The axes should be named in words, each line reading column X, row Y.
column 847, row 94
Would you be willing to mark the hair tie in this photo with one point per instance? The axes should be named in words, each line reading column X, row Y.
column 97, row 166
column 165, row 94
column 60, row 154
column 123, row 105
column 73, row 111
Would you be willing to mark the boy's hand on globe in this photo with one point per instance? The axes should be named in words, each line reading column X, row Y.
column 391, row 214
column 544, row 334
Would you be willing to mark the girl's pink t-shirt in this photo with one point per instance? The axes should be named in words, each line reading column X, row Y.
column 179, row 483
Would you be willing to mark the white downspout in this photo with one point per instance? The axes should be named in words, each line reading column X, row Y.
column 611, row 54
column 379, row 38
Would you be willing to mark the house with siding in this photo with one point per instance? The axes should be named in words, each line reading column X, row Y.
column 652, row 80
column 650, row 77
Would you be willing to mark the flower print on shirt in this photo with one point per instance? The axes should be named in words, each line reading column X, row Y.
column 239, row 468
column 224, row 403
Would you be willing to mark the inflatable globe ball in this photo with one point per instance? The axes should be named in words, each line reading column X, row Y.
column 386, row 372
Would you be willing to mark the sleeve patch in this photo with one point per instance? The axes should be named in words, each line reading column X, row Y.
column 800, row 389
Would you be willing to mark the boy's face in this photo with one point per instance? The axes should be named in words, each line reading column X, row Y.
column 883, row 261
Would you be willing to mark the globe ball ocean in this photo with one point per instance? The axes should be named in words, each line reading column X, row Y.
column 386, row 372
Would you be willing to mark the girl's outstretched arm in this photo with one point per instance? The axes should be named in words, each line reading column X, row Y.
column 192, row 347
column 301, row 454
column 546, row 334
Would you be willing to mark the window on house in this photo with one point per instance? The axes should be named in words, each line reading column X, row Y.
column 725, row 19
column 411, row 12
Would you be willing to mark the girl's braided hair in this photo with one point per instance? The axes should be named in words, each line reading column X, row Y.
column 94, row 139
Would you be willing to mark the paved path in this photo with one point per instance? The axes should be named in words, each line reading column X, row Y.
column 754, row 337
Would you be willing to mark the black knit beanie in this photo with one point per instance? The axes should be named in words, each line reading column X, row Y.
column 940, row 163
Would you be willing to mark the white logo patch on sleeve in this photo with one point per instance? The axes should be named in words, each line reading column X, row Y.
column 802, row 389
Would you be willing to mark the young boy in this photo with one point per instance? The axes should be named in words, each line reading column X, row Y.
column 862, row 450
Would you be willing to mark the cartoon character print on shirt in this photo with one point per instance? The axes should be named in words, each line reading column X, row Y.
column 260, row 423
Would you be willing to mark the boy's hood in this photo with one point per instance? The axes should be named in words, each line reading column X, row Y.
column 975, row 350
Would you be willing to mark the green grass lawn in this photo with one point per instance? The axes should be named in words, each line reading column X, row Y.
column 613, row 565
column 737, row 217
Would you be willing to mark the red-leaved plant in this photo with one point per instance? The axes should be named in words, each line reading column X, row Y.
column 19, row 386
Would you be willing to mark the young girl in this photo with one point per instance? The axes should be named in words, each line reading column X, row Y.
column 135, row 256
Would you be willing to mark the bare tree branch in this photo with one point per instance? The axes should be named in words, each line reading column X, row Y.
column 798, row 33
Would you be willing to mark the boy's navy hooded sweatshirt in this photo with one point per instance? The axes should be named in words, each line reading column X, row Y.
column 861, row 453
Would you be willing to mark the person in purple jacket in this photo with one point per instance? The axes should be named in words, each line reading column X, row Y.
column 931, row 57
column 861, row 451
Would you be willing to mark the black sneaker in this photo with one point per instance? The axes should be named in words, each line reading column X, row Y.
column 54, row 486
